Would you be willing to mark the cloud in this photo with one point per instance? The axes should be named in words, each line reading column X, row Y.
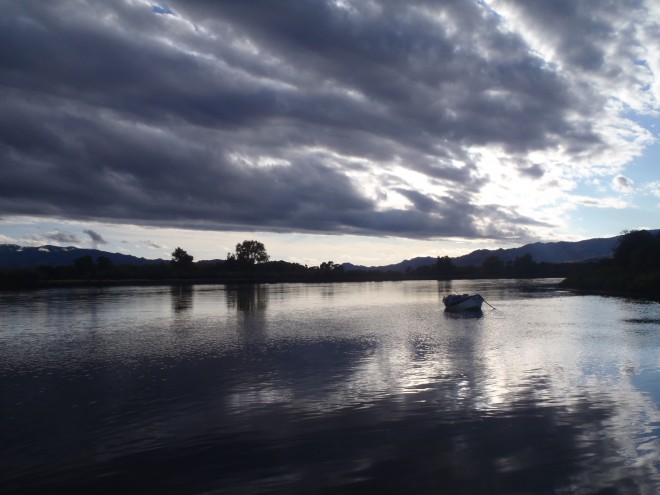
column 95, row 237
column 653, row 188
column 54, row 236
column 534, row 171
column 7, row 240
column 606, row 42
column 605, row 202
column 233, row 116
column 622, row 184
column 153, row 244
column 62, row 237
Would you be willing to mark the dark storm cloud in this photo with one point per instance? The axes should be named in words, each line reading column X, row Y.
column 582, row 30
column 281, row 116
column 603, row 38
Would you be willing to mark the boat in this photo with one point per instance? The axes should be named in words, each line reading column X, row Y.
column 463, row 302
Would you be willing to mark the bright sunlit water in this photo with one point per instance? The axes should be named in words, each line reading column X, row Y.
column 328, row 388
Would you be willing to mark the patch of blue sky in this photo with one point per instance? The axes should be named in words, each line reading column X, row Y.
column 642, row 203
column 157, row 9
column 645, row 169
column 590, row 222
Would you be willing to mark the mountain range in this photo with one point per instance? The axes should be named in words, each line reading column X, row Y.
column 13, row 256
column 550, row 252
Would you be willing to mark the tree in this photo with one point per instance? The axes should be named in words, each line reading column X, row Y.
column 84, row 265
column 249, row 253
column 181, row 259
column 104, row 267
column 444, row 267
column 104, row 263
column 330, row 266
column 524, row 266
column 492, row 266
column 636, row 248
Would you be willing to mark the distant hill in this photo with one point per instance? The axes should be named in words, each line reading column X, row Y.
column 550, row 252
column 13, row 256
column 400, row 267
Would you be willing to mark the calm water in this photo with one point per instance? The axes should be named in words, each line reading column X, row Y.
column 344, row 388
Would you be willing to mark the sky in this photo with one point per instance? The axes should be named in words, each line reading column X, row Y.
column 347, row 130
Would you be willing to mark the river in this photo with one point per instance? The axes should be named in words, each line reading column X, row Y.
column 328, row 388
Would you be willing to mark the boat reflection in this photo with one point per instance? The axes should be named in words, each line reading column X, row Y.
column 463, row 315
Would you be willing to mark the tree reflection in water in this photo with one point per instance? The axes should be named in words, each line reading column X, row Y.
column 247, row 298
column 182, row 298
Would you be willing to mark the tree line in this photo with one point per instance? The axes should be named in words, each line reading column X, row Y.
column 250, row 262
column 634, row 267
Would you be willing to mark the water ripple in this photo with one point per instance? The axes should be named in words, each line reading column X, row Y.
column 336, row 388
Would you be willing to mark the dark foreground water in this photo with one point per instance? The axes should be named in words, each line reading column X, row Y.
column 344, row 388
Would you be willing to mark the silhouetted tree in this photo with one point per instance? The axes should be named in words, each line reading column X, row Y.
column 330, row 266
column 249, row 253
column 492, row 266
column 634, row 268
column 104, row 263
column 524, row 266
column 181, row 259
column 444, row 267
column 637, row 248
column 104, row 267
column 84, row 264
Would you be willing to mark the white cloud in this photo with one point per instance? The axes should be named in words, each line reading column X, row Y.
column 653, row 188
column 622, row 184
column 153, row 244
column 603, row 202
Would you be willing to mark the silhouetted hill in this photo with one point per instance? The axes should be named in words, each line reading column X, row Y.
column 550, row 252
column 400, row 267
column 13, row 256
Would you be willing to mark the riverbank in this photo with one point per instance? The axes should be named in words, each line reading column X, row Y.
column 612, row 280
column 35, row 279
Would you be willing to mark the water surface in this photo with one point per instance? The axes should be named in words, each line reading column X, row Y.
column 331, row 388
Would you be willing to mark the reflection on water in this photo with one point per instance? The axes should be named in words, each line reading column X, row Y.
column 463, row 315
column 292, row 388
column 247, row 298
column 182, row 298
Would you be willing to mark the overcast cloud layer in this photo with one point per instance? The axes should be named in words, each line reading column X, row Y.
column 416, row 119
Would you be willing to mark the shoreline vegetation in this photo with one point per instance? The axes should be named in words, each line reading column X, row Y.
column 633, row 269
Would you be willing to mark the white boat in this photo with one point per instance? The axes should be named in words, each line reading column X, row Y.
column 463, row 302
